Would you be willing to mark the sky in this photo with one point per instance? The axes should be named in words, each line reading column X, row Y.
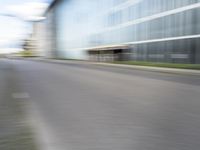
column 15, row 16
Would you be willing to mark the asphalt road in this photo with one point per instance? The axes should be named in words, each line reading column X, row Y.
column 90, row 107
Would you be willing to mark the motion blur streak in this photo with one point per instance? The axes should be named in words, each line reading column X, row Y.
column 152, row 30
column 99, row 75
column 93, row 107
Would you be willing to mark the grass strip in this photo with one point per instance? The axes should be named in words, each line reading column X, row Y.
column 165, row 65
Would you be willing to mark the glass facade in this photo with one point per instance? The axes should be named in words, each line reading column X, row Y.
column 156, row 30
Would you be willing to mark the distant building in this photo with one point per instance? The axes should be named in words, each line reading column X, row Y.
column 40, row 38
column 29, row 44
column 152, row 30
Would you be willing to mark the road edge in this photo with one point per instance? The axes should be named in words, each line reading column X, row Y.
column 136, row 67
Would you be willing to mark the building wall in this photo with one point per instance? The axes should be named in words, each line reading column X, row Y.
column 40, row 38
column 157, row 30
column 49, row 29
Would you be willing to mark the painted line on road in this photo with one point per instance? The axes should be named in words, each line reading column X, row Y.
column 20, row 95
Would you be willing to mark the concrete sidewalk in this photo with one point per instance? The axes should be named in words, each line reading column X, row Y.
column 145, row 68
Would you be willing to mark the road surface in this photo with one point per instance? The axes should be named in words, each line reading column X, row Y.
column 90, row 107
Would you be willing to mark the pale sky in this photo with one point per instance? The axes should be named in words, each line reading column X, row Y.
column 14, row 25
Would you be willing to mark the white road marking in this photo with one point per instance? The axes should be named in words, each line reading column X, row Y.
column 20, row 95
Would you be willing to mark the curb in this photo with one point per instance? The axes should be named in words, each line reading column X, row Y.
column 142, row 68
column 155, row 69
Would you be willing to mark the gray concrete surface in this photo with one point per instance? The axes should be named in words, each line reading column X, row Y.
column 90, row 107
column 15, row 131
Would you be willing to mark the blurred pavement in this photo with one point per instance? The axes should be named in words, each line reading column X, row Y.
column 90, row 107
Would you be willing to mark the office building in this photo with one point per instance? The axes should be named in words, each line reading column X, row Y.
column 142, row 30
